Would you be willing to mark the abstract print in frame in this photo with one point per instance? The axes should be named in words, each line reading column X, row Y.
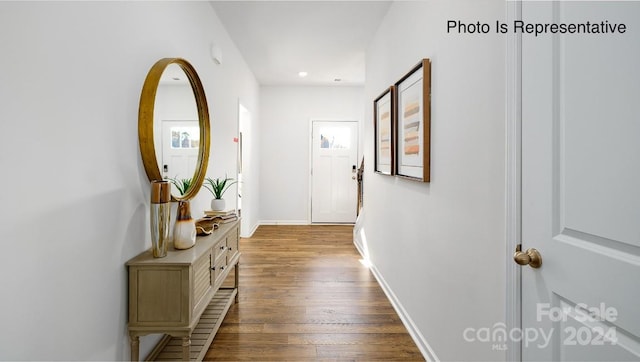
column 383, row 114
column 413, row 108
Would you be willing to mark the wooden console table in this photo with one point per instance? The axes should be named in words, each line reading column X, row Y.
column 182, row 293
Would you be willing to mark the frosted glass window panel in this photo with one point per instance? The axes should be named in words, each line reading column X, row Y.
column 335, row 137
column 185, row 137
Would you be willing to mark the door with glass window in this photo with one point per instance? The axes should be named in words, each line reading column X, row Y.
column 180, row 144
column 334, row 172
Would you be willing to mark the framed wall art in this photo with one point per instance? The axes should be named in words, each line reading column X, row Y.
column 413, row 123
column 384, row 116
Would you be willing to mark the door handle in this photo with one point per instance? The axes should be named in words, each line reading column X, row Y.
column 530, row 257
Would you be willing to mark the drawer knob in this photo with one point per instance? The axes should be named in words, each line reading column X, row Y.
column 213, row 268
column 222, row 268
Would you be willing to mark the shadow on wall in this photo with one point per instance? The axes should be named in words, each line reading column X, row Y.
column 72, row 270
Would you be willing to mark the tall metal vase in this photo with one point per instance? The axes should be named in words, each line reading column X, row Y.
column 160, row 217
column 184, row 231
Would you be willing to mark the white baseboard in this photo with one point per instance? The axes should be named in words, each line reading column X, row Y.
column 418, row 338
column 332, row 223
column 250, row 234
column 359, row 247
column 283, row 222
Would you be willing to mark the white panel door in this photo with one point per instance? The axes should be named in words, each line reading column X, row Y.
column 333, row 174
column 580, row 184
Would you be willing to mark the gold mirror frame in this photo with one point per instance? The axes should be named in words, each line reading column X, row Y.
column 145, row 124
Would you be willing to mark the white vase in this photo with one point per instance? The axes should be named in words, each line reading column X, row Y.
column 217, row 204
column 184, row 231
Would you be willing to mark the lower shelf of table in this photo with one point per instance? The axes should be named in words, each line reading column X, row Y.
column 170, row 348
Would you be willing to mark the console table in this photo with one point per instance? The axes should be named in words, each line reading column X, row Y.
column 182, row 295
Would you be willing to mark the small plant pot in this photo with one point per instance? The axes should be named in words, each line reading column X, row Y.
column 218, row 204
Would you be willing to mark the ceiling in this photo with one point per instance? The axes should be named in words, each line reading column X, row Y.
column 326, row 39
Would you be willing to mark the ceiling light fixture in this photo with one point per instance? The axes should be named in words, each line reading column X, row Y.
column 302, row 74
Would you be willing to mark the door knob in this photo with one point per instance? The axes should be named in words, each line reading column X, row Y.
column 530, row 257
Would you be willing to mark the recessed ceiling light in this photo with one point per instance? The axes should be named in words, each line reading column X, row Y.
column 302, row 74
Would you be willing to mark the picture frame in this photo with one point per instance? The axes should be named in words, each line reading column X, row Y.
column 384, row 133
column 413, row 123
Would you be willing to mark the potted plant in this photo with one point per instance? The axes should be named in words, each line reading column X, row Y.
column 182, row 185
column 218, row 187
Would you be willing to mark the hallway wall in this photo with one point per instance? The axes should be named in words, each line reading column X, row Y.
column 75, row 200
column 286, row 114
column 440, row 246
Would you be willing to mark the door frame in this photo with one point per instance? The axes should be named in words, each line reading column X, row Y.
column 310, row 186
column 246, row 228
column 513, row 197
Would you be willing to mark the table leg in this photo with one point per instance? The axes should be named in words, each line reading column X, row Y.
column 237, row 279
column 186, row 348
column 135, row 348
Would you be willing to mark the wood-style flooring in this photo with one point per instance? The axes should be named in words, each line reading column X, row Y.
column 304, row 296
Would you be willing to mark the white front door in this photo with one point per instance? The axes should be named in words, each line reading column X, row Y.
column 333, row 173
column 581, row 184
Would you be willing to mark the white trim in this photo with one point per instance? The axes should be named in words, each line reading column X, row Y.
column 310, row 167
column 513, row 196
column 250, row 234
column 332, row 223
column 283, row 222
column 414, row 332
column 296, row 222
column 358, row 244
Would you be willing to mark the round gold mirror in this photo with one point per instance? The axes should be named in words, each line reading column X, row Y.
column 160, row 141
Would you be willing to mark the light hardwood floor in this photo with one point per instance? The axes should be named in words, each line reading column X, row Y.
column 304, row 296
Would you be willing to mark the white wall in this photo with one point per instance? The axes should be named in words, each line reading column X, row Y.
column 440, row 246
column 286, row 114
column 75, row 196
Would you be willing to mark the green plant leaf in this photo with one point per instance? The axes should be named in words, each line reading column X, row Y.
column 182, row 185
column 218, row 186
